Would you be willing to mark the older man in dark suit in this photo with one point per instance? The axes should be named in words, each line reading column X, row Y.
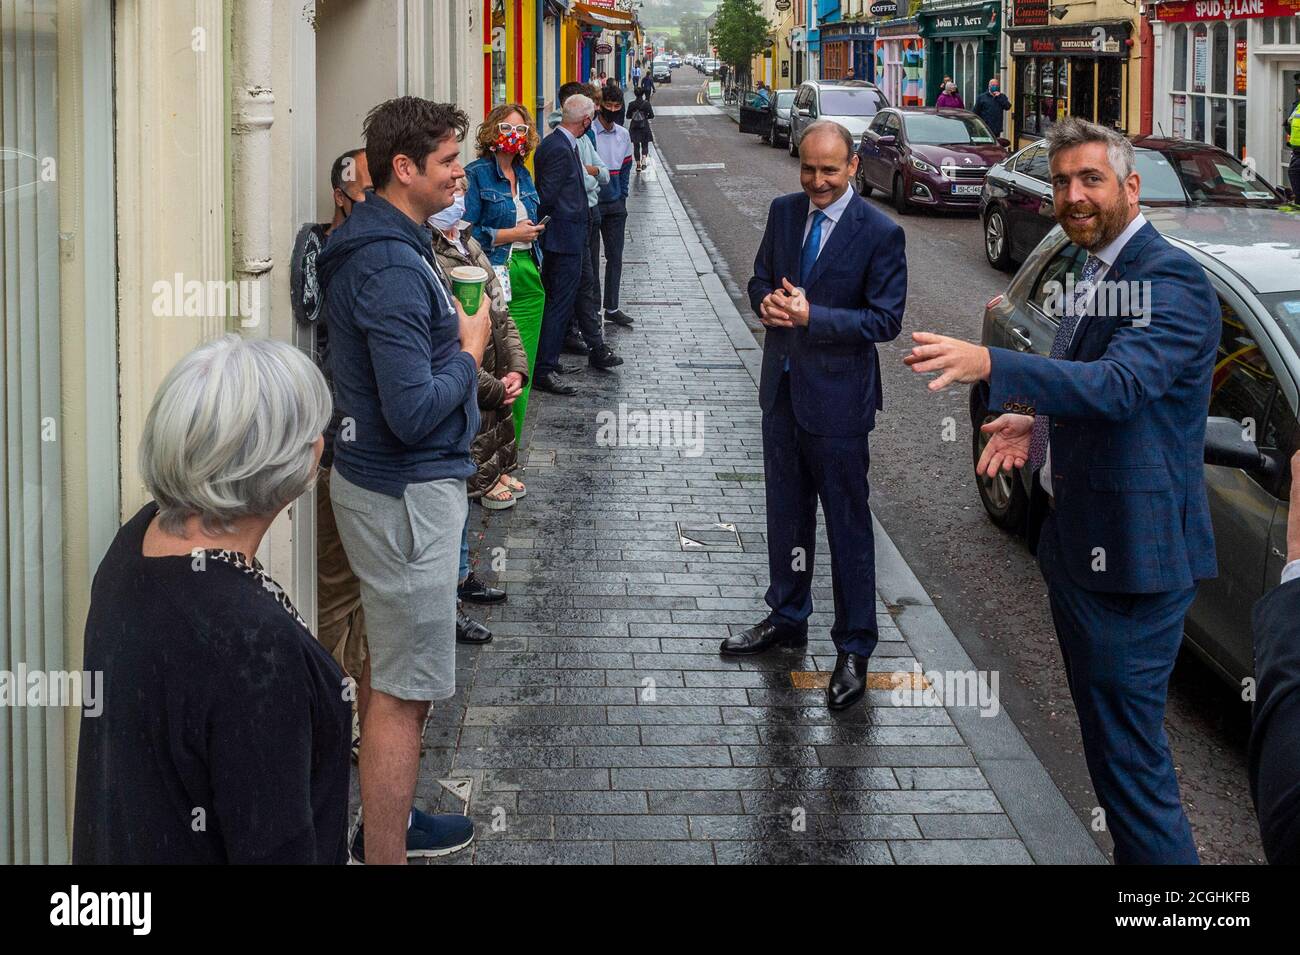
column 1112, row 424
column 830, row 281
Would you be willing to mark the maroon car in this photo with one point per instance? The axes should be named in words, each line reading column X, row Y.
column 928, row 157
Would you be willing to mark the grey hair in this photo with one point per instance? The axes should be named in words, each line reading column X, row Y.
column 231, row 432
column 830, row 127
column 1073, row 131
column 578, row 107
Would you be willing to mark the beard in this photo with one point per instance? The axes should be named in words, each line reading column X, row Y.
column 1106, row 224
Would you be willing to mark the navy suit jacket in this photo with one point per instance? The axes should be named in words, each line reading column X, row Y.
column 1128, row 404
column 856, row 294
column 561, row 195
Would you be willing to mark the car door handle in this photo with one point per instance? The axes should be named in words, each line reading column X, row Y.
column 1021, row 338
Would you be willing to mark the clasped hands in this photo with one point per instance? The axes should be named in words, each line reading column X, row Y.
column 784, row 307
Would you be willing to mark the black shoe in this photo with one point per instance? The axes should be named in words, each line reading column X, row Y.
column 554, row 384
column 469, row 630
column 848, row 681
column 475, row 591
column 573, row 345
column 568, row 367
column 618, row 317
column 765, row 636
column 604, row 357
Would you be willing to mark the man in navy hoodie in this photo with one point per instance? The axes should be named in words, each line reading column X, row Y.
column 404, row 358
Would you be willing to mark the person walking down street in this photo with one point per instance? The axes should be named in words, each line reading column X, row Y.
column 636, row 74
column 639, row 115
column 949, row 99
column 501, row 204
column 404, row 357
column 648, row 82
column 614, row 143
column 221, row 704
column 990, row 105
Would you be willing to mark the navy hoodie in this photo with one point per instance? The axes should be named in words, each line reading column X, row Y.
column 399, row 373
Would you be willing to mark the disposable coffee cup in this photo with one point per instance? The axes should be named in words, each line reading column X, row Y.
column 467, row 285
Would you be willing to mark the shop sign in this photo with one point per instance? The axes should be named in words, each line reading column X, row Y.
column 1030, row 13
column 960, row 22
column 882, row 8
column 1239, row 73
column 1095, row 41
column 782, row 5
column 1200, row 62
column 1193, row 10
column 604, row 49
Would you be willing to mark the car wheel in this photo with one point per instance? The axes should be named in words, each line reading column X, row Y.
column 863, row 189
column 900, row 198
column 773, row 139
column 1004, row 497
column 997, row 244
column 794, row 148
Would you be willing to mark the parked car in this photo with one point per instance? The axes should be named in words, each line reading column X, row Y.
column 851, row 103
column 772, row 121
column 1252, row 258
column 925, row 156
column 1016, row 203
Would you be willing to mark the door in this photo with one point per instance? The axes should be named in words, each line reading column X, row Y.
column 869, row 152
column 754, row 118
column 1029, row 196
column 1243, row 504
column 1290, row 75
column 890, row 153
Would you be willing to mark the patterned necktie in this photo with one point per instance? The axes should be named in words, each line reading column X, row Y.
column 811, row 246
column 1060, row 345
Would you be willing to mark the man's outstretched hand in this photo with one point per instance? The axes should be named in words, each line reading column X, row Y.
column 1008, row 445
column 955, row 359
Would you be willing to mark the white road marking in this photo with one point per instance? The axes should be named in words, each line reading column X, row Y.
column 692, row 166
column 685, row 111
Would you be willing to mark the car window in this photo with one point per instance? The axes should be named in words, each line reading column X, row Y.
column 929, row 129
column 879, row 123
column 894, row 125
column 1159, row 180
column 1036, row 165
column 784, row 98
column 1244, row 385
column 1282, row 435
column 852, row 102
column 1052, row 280
column 1218, row 179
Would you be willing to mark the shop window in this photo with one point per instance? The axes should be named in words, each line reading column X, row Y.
column 1208, row 97
column 1110, row 93
column 1081, row 99
column 1180, row 58
column 1222, row 62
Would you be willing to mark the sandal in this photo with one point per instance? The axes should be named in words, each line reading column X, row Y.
column 497, row 499
column 514, row 487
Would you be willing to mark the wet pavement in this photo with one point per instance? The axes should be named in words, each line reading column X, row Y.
column 602, row 725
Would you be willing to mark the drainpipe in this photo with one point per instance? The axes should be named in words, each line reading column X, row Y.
column 252, row 112
column 540, row 58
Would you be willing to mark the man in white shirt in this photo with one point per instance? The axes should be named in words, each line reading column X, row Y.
column 614, row 145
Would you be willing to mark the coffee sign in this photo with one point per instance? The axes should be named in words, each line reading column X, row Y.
column 884, row 8
column 603, row 49
column 782, row 5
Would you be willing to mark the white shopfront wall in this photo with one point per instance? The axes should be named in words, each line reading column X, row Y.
column 1228, row 80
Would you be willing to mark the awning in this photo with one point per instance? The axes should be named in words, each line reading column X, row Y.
column 606, row 17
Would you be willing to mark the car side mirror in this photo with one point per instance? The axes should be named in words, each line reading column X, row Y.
column 804, row 111
column 889, row 139
column 1004, row 142
column 1226, row 445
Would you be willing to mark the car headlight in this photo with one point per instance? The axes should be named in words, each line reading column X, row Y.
column 921, row 164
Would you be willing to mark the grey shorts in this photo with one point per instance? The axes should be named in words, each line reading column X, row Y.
column 406, row 553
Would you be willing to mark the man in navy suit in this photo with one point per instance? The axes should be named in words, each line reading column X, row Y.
column 830, row 280
column 1112, row 424
column 562, row 196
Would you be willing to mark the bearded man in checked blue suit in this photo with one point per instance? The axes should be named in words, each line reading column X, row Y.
column 1111, row 425
column 830, row 281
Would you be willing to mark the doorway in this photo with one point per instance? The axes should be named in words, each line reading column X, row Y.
column 1290, row 74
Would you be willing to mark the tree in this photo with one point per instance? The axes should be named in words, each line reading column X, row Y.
column 739, row 32
column 694, row 37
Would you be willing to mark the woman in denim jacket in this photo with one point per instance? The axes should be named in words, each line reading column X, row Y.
column 501, row 204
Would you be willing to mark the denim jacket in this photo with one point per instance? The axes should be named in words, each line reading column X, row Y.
column 489, row 205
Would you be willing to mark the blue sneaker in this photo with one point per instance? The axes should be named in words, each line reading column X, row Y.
column 427, row 837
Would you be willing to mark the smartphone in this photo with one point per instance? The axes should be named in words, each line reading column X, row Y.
column 545, row 219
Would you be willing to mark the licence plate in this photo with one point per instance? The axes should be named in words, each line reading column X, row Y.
column 966, row 189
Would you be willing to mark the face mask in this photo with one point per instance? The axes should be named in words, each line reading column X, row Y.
column 509, row 143
column 609, row 115
column 448, row 217
column 993, row 89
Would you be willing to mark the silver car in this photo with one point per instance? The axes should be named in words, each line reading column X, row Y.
column 1252, row 257
column 851, row 103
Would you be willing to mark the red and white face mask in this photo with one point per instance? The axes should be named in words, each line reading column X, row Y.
column 511, row 142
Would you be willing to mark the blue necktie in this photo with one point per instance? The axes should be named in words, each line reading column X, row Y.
column 811, row 246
